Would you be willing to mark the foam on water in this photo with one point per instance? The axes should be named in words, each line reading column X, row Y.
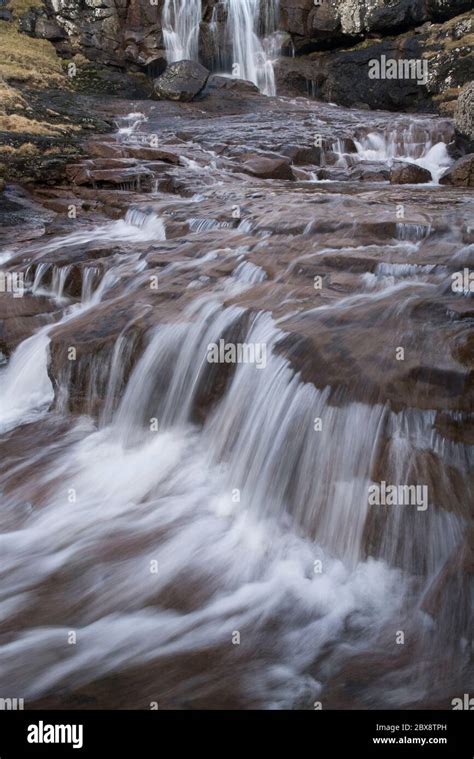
column 403, row 145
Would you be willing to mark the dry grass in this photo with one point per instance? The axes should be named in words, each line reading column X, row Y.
column 10, row 99
column 28, row 60
column 19, row 7
column 16, row 123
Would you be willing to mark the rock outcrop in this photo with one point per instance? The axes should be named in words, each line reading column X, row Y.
column 409, row 173
column 181, row 81
column 418, row 70
column 322, row 24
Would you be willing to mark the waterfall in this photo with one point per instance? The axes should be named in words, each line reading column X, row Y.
column 250, row 37
column 181, row 21
column 252, row 56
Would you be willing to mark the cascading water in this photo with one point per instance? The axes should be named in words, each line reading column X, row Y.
column 411, row 144
column 215, row 498
column 181, row 22
column 252, row 57
column 250, row 37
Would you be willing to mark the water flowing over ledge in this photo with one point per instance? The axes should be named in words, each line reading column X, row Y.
column 246, row 42
column 168, row 502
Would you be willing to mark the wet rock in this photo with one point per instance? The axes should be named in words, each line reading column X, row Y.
column 144, row 153
column 461, row 174
column 464, row 114
column 455, row 573
column 94, row 339
column 409, row 173
column 181, row 81
column 370, row 172
column 268, row 168
column 231, row 85
column 92, row 174
column 21, row 317
column 301, row 155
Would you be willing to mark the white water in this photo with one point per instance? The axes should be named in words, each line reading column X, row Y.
column 25, row 388
column 173, row 491
column 230, row 564
column 404, row 146
column 252, row 55
column 136, row 227
column 235, row 510
column 181, row 20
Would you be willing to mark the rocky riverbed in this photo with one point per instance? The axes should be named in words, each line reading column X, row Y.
column 197, row 534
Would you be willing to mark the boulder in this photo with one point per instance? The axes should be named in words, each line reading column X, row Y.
column 49, row 30
column 370, row 172
column 268, row 168
column 181, row 81
column 461, row 174
column 409, row 173
column 303, row 155
column 229, row 84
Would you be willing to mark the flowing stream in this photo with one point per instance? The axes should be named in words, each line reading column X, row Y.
column 198, row 533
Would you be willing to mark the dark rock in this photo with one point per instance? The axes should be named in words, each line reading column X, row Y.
column 181, row 81
column 341, row 76
column 49, row 30
column 461, row 174
column 234, row 86
column 320, row 25
column 409, row 173
column 156, row 65
column 301, row 155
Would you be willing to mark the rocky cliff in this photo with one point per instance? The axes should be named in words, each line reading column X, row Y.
column 333, row 45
